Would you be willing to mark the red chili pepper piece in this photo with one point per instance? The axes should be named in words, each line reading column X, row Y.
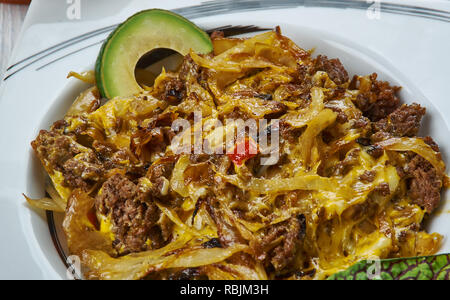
column 250, row 150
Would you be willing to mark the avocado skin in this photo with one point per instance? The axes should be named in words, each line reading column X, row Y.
column 98, row 68
column 101, row 84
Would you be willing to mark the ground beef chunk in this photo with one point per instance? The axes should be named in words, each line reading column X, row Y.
column 377, row 101
column 383, row 189
column 133, row 215
column 424, row 183
column 333, row 67
column 337, row 93
column 104, row 150
column 368, row 176
column 54, row 149
column 59, row 125
column 112, row 158
column 380, row 136
column 341, row 115
column 189, row 69
column 349, row 161
column 80, row 167
column 281, row 254
column 404, row 121
column 375, row 150
column 430, row 142
column 361, row 122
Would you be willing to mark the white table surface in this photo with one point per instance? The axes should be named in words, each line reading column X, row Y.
column 11, row 19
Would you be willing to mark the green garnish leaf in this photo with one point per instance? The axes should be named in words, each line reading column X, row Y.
column 416, row 268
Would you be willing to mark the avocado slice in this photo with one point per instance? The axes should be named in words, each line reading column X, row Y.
column 140, row 34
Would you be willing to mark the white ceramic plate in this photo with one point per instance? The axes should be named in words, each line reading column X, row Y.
column 408, row 47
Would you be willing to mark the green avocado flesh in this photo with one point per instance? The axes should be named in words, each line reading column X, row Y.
column 140, row 34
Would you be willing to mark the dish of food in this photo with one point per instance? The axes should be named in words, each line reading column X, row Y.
column 351, row 179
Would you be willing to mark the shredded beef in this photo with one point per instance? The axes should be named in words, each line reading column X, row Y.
column 133, row 215
column 404, row 121
column 333, row 67
column 379, row 101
